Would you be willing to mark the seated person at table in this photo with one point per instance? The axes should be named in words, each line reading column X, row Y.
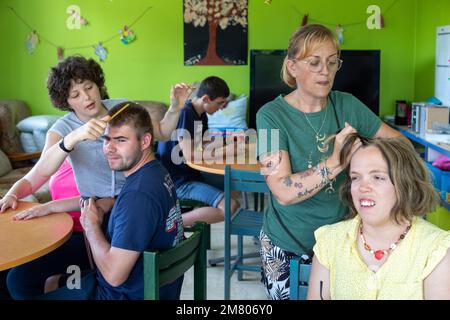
column 385, row 250
column 145, row 216
column 76, row 85
column 211, row 96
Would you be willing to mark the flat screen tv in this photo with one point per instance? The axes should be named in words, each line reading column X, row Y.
column 359, row 75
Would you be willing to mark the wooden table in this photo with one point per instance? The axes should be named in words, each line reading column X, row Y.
column 23, row 241
column 249, row 164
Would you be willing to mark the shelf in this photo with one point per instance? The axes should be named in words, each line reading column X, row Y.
column 415, row 137
column 445, row 204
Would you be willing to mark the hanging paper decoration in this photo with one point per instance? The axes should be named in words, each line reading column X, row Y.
column 305, row 20
column 381, row 21
column 32, row 41
column 60, row 53
column 340, row 34
column 101, row 52
column 74, row 21
column 127, row 35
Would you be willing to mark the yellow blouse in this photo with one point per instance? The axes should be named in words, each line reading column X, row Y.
column 400, row 277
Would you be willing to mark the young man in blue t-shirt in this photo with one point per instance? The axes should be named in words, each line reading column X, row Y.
column 193, row 123
column 145, row 216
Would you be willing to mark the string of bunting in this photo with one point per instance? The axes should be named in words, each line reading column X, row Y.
column 339, row 27
column 126, row 36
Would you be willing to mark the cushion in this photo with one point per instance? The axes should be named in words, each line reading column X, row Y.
column 39, row 138
column 28, row 143
column 231, row 118
column 5, row 164
column 41, row 123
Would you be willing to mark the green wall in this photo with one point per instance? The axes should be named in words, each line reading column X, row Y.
column 430, row 15
column 148, row 67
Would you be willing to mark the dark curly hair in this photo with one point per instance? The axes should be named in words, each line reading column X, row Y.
column 76, row 68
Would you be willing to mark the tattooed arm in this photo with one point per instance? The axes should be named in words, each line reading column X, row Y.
column 292, row 187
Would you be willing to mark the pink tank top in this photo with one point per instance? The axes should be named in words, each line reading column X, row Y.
column 62, row 185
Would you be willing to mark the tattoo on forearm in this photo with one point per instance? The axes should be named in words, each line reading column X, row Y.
column 324, row 172
column 271, row 163
column 307, row 173
column 287, row 181
column 308, row 192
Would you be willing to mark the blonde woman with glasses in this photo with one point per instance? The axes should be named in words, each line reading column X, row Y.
column 385, row 250
column 302, row 169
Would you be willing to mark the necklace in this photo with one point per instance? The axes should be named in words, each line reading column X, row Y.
column 379, row 254
column 320, row 138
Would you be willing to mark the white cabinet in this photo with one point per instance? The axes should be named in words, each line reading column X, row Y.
column 442, row 75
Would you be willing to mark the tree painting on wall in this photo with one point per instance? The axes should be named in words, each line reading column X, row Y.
column 215, row 32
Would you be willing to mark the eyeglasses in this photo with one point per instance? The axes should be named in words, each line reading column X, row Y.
column 315, row 64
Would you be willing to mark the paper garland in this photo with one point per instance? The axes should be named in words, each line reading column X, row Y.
column 60, row 53
column 100, row 51
column 340, row 34
column 340, row 27
column 32, row 41
column 126, row 35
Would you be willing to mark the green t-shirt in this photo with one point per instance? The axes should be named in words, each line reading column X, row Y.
column 298, row 138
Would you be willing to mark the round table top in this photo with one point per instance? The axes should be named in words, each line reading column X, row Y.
column 249, row 163
column 25, row 240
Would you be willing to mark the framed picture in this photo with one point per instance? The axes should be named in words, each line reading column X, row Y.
column 215, row 32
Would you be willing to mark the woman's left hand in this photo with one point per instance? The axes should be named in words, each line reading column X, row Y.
column 34, row 212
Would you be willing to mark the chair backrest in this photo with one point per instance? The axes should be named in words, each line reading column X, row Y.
column 298, row 281
column 247, row 181
column 164, row 267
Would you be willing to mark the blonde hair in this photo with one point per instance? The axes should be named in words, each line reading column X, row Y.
column 416, row 195
column 302, row 41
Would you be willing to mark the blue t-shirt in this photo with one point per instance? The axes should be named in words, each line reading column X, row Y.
column 193, row 123
column 146, row 216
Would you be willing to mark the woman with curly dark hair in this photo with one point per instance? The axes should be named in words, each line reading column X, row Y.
column 77, row 85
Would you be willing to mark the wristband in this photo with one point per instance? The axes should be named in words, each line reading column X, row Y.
column 63, row 147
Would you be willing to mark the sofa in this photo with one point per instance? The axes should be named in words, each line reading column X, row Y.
column 14, row 162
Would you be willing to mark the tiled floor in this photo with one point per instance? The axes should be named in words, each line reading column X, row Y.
column 250, row 288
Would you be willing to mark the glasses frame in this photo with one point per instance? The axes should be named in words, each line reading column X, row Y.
column 308, row 65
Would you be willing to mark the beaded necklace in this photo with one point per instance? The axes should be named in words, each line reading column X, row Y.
column 379, row 254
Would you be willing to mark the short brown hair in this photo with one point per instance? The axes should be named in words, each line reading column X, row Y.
column 75, row 68
column 213, row 87
column 416, row 195
column 302, row 41
column 135, row 116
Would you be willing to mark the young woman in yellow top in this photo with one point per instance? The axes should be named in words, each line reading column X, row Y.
column 385, row 250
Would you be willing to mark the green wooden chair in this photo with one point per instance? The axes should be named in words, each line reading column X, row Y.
column 188, row 205
column 244, row 222
column 298, row 279
column 161, row 268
